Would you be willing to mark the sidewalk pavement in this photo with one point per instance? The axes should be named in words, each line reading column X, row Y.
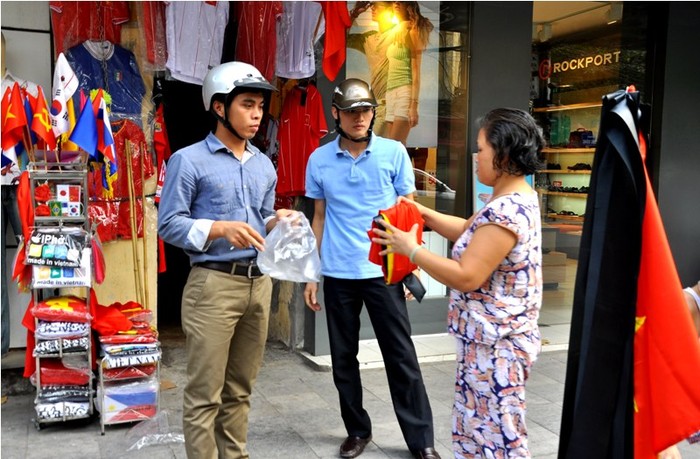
column 294, row 413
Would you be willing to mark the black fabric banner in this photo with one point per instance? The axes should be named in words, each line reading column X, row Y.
column 598, row 404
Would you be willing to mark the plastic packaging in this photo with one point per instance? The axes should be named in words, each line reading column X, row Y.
column 290, row 251
column 125, row 402
column 62, row 308
column 153, row 432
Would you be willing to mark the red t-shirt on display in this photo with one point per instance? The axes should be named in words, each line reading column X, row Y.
column 300, row 131
column 75, row 22
column 256, row 42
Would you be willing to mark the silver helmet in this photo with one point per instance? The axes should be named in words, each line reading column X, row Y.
column 353, row 93
column 224, row 78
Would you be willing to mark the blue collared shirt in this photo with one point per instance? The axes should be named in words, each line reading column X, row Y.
column 205, row 183
column 355, row 190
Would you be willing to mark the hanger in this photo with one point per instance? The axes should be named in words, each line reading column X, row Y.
column 303, row 84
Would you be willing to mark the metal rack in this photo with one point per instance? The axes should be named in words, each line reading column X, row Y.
column 73, row 173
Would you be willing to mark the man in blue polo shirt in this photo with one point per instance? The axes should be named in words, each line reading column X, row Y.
column 217, row 203
column 350, row 180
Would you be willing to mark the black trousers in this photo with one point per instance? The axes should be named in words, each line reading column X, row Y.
column 386, row 306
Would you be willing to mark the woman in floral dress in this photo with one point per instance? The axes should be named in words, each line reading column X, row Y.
column 495, row 276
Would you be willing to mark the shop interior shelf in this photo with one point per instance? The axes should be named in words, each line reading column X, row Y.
column 570, row 218
column 561, row 193
column 559, row 108
column 562, row 171
column 550, row 150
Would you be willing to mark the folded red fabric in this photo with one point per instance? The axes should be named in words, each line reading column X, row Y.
column 394, row 266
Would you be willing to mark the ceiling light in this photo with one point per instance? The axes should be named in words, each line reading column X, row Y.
column 545, row 32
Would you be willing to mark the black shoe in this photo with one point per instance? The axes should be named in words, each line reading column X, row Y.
column 426, row 453
column 353, row 446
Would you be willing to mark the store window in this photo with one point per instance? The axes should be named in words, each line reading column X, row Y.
column 423, row 105
column 580, row 52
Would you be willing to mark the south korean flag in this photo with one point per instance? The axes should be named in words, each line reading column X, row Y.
column 65, row 83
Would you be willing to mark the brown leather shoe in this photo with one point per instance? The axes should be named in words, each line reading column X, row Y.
column 426, row 453
column 353, row 446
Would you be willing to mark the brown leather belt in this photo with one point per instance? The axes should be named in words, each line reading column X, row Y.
column 242, row 268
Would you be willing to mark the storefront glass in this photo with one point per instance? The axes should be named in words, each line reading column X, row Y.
column 380, row 47
column 579, row 54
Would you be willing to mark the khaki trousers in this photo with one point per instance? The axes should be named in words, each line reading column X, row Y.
column 225, row 320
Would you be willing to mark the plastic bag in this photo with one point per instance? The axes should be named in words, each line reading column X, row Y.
column 290, row 251
column 153, row 432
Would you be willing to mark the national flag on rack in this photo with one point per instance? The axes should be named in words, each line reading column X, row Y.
column 29, row 103
column 8, row 156
column 105, row 139
column 85, row 132
column 28, row 137
column 105, row 143
column 14, row 120
column 65, row 83
column 41, row 121
column 66, row 144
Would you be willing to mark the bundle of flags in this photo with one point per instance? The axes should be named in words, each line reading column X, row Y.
column 25, row 123
column 28, row 121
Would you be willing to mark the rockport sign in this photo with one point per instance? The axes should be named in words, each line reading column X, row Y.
column 547, row 67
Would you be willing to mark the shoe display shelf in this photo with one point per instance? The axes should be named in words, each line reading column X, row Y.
column 568, row 157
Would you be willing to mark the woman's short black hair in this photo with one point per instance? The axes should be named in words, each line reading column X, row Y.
column 515, row 138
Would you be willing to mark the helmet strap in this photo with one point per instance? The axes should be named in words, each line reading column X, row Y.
column 225, row 122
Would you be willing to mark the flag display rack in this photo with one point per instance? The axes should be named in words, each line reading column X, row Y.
column 62, row 188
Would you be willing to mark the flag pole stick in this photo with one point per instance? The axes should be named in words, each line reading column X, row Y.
column 27, row 142
column 59, row 146
column 145, row 244
column 132, row 222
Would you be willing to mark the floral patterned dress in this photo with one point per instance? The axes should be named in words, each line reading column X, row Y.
column 498, row 339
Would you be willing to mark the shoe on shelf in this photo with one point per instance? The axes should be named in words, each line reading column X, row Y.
column 353, row 446
column 580, row 167
column 426, row 453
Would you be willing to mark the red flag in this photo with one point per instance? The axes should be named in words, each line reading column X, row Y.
column 8, row 156
column 14, row 120
column 22, row 272
column 666, row 350
column 41, row 124
column 337, row 22
column 6, row 96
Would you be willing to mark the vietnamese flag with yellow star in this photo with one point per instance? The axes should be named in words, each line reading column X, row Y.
column 631, row 387
column 666, row 347
column 14, row 119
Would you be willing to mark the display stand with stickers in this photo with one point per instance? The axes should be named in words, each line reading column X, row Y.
column 59, row 251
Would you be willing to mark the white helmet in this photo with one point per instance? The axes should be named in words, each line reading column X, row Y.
column 224, row 78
